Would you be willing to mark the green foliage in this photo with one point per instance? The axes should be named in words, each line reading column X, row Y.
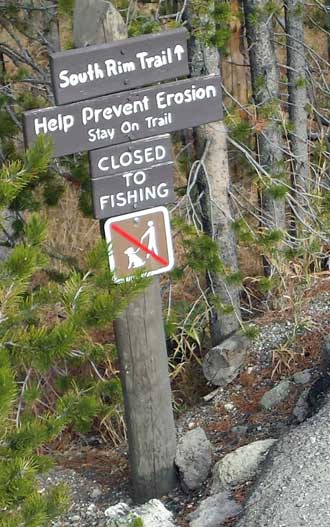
column 238, row 128
column 251, row 331
column 66, row 7
column 211, row 23
column 137, row 522
column 142, row 25
column 203, row 254
column 45, row 331
column 267, row 284
column 270, row 237
column 277, row 191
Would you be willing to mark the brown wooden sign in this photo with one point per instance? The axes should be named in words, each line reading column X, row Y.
column 126, row 117
column 130, row 156
column 93, row 71
column 139, row 241
column 132, row 191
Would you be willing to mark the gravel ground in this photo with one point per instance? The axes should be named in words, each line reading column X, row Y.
column 88, row 499
column 298, row 467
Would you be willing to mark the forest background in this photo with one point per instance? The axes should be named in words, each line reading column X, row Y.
column 248, row 239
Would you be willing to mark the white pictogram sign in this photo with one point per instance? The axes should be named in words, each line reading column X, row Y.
column 139, row 241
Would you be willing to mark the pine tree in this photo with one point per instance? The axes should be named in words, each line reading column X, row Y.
column 46, row 324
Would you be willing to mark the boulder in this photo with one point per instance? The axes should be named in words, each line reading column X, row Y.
column 293, row 489
column 240, row 466
column 193, row 458
column 223, row 363
column 276, row 395
column 153, row 513
column 95, row 19
column 214, row 511
column 325, row 354
column 302, row 377
column 301, row 410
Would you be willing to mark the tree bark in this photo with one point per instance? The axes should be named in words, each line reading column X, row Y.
column 140, row 331
column 265, row 86
column 144, row 371
column 214, row 183
column 298, row 100
column 51, row 27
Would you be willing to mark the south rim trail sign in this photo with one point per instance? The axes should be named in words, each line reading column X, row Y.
column 140, row 242
column 127, row 116
column 99, row 70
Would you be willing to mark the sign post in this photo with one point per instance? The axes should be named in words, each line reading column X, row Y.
column 126, row 135
column 141, row 345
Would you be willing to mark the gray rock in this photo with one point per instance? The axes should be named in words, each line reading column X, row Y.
column 294, row 487
column 193, row 458
column 153, row 513
column 325, row 354
column 302, row 377
column 214, row 511
column 94, row 19
column 96, row 493
column 301, row 409
column 276, row 395
column 223, row 363
column 120, row 509
column 240, row 466
column 241, row 430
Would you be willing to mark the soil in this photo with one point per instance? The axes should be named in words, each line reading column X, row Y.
column 230, row 416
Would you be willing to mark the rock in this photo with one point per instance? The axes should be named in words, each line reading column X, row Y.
column 301, row 410
column 96, row 21
column 193, row 458
column 293, row 489
column 120, row 509
column 214, row 511
column 222, row 363
column 240, row 429
column 318, row 393
column 241, row 465
column 152, row 514
column 96, row 493
column 302, row 377
column 229, row 407
column 276, row 395
column 325, row 354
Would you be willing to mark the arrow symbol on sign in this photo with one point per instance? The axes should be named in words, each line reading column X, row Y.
column 179, row 51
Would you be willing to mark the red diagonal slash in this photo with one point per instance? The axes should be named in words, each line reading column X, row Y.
column 138, row 244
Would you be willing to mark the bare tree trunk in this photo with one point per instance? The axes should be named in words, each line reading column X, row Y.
column 51, row 27
column 265, row 88
column 214, row 182
column 298, row 100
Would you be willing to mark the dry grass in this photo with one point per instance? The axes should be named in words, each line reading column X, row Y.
column 70, row 233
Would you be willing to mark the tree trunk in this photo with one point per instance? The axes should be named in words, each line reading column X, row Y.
column 51, row 27
column 140, row 331
column 265, row 86
column 141, row 344
column 214, row 183
column 298, row 100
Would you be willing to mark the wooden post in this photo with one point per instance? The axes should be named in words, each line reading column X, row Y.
column 149, row 416
column 139, row 331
